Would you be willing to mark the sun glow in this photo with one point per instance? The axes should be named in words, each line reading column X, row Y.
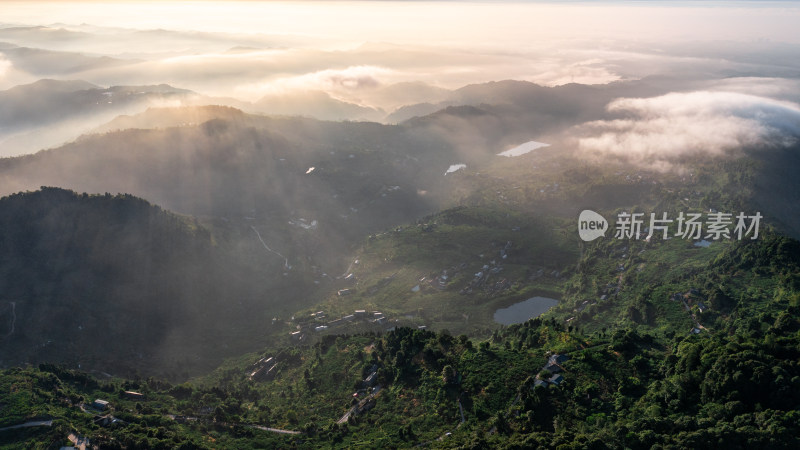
column 473, row 23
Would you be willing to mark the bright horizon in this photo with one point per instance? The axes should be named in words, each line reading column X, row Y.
column 431, row 22
column 363, row 60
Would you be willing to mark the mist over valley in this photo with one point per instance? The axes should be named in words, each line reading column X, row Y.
column 356, row 224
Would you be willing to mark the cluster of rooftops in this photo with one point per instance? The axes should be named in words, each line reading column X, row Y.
column 553, row 366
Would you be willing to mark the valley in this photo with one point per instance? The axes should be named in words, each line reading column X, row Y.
column 357, row 233
column 507, row 225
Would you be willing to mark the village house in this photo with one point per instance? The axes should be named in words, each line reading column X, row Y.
column 296, row 336
column 554, row 363
column 264, row 373
column 102, row 405
column 261, row 361
column 371, row 379
column 443, row 279
column 107, row 421
column 553, row 366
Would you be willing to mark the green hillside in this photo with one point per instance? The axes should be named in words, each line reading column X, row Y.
column 116, row 284
column 643, row 380
column 426, row 273
column 334, row 287
column 516, row 223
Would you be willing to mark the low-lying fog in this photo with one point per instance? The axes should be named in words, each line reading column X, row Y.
column 390, row 61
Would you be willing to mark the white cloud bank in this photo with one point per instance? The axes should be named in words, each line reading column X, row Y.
column 655, row 131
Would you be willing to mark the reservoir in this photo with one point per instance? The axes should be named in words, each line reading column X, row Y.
column 524, row 310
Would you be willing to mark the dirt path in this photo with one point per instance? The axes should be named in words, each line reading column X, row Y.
column 349, row 269
column 286, row 264
column 256, row 427
column 274, row 430
column 350, row 411
column 32, row 423
column 346, row 415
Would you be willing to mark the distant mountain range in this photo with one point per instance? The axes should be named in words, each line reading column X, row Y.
column 49, row 112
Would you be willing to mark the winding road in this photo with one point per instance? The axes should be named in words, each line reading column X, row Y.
column 274, row 430
column 355, row 407
column 286, row 264
column 32, row 423
column 256, row 427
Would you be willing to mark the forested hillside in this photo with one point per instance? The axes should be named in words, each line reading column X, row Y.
column 543, row 383
column 117, row 284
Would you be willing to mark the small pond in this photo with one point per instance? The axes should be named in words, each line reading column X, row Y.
column 524, row 310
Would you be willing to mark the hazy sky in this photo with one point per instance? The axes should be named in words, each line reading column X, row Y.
column 282, row 45
column 473, row 23
column 381, row 55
